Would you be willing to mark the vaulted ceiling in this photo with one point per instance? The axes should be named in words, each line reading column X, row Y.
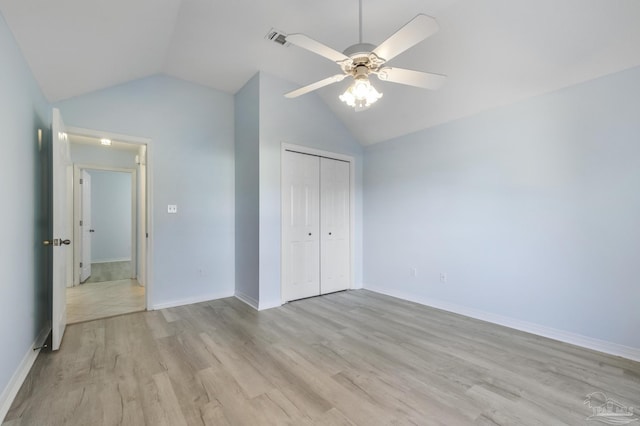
column 494, row 52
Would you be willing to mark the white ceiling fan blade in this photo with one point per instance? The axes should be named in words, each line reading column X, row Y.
column 311, row 45
column 416, row 30
column 421, row 79
column 315, row 86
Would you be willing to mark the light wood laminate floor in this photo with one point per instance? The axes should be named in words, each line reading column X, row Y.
column 109, row 271
column 351, row 358
column 91, row 301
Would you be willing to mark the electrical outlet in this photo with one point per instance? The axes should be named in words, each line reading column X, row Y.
column 443, row 277
column 413, row 272
column 172, row 208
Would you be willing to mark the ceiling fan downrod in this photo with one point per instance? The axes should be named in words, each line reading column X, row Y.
column 360, row 21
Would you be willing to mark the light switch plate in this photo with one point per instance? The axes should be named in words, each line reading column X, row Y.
column 172, row 208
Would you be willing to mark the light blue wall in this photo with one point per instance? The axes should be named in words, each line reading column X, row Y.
column 533, row 211
column 23, row 294
column 303, row 121
column 247, row 137
column 110, row 216
column 192, row 165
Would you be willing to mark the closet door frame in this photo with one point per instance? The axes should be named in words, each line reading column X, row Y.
column 352, row 204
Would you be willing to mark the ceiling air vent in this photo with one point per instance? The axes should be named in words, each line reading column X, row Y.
column 277, row 36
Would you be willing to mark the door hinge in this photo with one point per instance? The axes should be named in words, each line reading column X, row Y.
column 81, row 264
column 81, row 181
column 147, row 235
column 80, row 223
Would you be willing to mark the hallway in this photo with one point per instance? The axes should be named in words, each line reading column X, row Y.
column 91, row 301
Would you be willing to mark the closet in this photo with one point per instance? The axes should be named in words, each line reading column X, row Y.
column 316, row 217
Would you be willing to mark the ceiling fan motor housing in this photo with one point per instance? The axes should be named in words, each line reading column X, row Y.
column 361, row 57
column 360, row 49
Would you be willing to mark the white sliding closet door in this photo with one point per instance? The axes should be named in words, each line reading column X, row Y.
column 334, row 225
column 300, row 226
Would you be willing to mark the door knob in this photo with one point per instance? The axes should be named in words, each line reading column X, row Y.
column 329, row 233
column 309, row 233
column 56, row 242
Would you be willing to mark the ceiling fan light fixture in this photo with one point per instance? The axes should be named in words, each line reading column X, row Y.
column 362, row 59
column 360, row 94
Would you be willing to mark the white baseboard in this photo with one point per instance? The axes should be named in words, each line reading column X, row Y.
column 191, row 300
column 540, row 330
column 270, row 304
column 42, row 337
column 11, row 390
column 247, row 299
column 258, row 306
column 118, row 259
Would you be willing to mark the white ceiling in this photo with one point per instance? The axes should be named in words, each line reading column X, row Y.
column 495, row 52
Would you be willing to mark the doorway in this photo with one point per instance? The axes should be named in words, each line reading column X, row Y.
column 105, row 219
column 108, row 216
column 62, row 213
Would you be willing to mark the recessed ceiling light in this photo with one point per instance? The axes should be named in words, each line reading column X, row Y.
column 106, row 142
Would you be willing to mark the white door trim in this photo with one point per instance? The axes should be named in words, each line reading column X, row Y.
column 352, row 203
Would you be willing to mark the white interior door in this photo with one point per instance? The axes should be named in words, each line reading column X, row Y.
column 300, row 226
column 335, row 270
column 61, row 179
column 86, row 229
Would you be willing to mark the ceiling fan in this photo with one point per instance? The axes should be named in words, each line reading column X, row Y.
column 361, row 60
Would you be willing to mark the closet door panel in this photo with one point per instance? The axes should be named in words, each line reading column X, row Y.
column 335, row 271
column 300, row 226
